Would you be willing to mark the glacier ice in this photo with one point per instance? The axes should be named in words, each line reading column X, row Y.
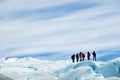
column 36, row 69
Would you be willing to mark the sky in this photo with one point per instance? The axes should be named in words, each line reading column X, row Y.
column 56, row 29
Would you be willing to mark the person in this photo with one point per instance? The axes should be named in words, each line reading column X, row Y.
column 80, row 56
column 77, row 57
column 73, row 58
column 88, row 55
column 83, row 55
column 94, row 56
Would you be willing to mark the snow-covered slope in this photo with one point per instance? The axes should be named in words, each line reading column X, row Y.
column 35, row 69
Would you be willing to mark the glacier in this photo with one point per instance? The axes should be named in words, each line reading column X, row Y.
column 35, row 69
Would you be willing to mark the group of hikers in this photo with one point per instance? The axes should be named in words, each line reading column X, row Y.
column 81, row 56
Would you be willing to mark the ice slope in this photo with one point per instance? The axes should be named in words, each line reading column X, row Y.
column 30, row 68
column 90, row 70
column 2, row 77
column 35, row 69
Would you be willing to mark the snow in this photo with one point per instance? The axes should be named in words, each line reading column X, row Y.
column 36, row 69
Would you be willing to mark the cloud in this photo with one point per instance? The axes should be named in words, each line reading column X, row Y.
column 49, row 12
column 63, row 27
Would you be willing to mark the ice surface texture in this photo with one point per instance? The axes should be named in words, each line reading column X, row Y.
column 35, row 69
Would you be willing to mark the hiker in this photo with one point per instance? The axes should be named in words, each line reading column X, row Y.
column 80, row 56
column 73, row 58
column 94, row 56
column 77, row 57
column 83, row 55
column 88, row 55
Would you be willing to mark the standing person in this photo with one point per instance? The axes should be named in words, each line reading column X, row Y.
column 81, row 56
column 94, row 56
column 88, row 55
column 77, row 57
column 73, row 58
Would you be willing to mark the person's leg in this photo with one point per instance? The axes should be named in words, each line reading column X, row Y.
column 95, row 58
column 80, row 59
column 88, row 58
column 77, row 59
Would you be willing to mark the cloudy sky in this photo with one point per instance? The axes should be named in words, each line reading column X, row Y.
column 56, row 29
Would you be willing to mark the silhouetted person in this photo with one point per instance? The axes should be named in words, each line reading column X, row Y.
column 83, row 55
column 80, row 56
column 94, row 56
column 88, row 55
column 77, row 57
column 73, row 58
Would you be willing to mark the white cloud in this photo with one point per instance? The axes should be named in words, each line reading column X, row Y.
column 94, row 28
